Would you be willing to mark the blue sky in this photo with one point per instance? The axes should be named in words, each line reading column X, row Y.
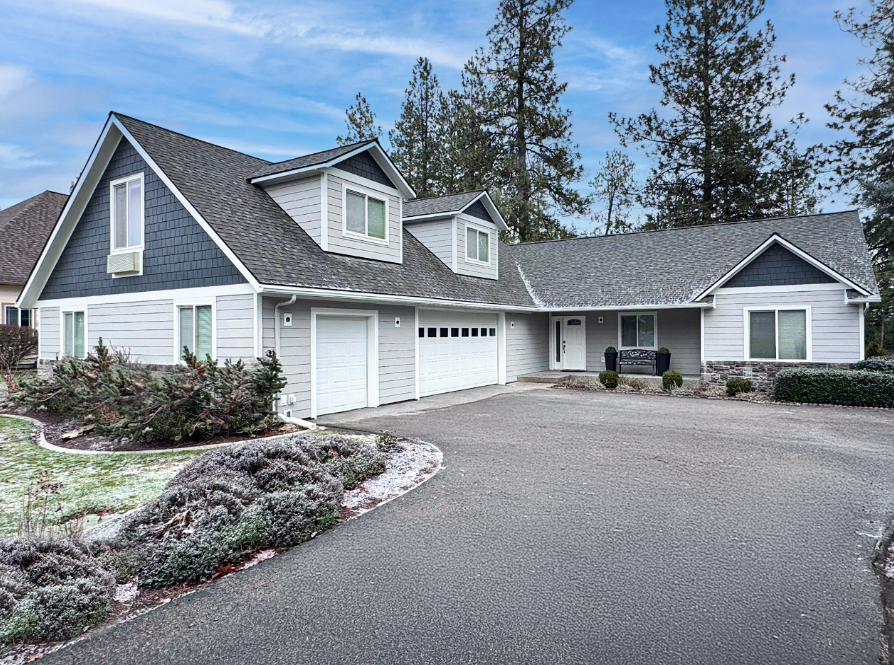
column 273, row 79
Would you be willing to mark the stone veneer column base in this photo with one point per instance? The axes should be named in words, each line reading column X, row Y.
column 762, row 374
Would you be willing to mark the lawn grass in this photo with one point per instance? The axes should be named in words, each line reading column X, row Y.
column 90, row 483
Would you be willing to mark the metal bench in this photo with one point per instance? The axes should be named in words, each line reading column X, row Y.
column 638, row 357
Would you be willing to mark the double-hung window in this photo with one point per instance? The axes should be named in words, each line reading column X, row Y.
column 195, row 325
column 17, row 317
column 365, row 215
column 477, row 245
column 127, row 213
column 74, row 332
column 638, row 331
column 777, row 334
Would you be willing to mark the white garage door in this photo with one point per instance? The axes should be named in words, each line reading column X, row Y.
column 341, row 369
column 457, row 350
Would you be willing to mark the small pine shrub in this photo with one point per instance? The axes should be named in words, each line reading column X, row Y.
column 736, row 385
column 50, row 590
column 885, row 365
column 609, row 379
column 835, row 386
column 671, row 380
column 874, row 349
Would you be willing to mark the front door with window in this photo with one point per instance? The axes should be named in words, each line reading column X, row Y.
column 570, row 343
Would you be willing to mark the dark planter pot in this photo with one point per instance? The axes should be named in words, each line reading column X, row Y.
column 611, row 361
column 662, row 363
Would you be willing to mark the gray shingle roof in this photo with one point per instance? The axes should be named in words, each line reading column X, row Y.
column 307, row 160
column 279, row 252
column 24, row 229
column 440, row 204
column 673, row 267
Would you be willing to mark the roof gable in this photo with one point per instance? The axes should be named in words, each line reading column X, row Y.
column 778, row 266
column 476, row 203
column 25, row 228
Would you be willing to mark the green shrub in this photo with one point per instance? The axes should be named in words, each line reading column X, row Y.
column 610, row 349
column 235, row 500
column 736, row 385
column 833, row 386
column 874, row 349
column 885, row 365
column 671, row 379
column 664, row 350
column 609, row 379
column 50, row 590
column 129, row 403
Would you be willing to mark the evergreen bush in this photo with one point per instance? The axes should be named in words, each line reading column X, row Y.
column 609, row 379
column 736, row 385
column 885, row 365
column 671, row 379
column 835, row 386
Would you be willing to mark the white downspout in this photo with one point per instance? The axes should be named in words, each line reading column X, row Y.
column 286, row 419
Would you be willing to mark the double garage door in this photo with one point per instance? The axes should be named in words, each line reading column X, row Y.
column 457, row 350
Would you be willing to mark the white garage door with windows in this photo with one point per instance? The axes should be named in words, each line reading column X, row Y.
column 342, row 360
column 457, row 350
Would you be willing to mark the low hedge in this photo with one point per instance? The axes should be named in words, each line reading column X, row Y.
column 670, row 380
column 885, row 365
column 835, row 386
column 736, row 385
column 609, row 379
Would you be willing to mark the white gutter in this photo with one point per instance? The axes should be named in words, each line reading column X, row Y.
column 862, row 299
column 306, row 424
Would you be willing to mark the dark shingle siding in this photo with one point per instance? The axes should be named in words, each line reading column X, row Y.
column 777, row 266
column 478, row 210
column 365, row 166
column 178, row 253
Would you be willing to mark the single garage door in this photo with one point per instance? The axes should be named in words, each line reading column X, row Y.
column 457, row 350
column 341, row 366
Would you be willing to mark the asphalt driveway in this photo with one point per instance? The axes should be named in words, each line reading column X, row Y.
column 573, row 527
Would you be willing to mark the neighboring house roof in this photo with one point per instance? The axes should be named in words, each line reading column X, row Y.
column 278, row 252
column 312, row 159
column 24, row 229
column 675, row 266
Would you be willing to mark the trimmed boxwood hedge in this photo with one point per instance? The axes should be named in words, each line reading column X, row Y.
column 877, row 365
column 835, row 386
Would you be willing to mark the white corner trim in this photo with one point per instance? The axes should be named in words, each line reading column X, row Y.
column 250, row 278
column 746, row 342
column 702, row 335
column 455, row 245
column 372, row 352
column 416, row 346
column 794, row 249
column 324, row 212
column 862, row 327
column 501, row 348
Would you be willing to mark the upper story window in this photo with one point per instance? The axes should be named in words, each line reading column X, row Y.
column 366, row 216
column 477, row 245
column 127, row 213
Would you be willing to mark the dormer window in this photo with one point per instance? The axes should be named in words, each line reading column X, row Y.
column 127, row 213
column 366, row 216
column 477, row 245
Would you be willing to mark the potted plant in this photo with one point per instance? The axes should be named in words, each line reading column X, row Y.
column 611, row 359
column 662, row 361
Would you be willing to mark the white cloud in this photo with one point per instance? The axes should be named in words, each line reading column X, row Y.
column 12, row 78
column 212, row 13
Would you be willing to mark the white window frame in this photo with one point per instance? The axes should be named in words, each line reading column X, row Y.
column 62, row 313
column 178, row 305
column 654, row 314
column 786, row 308
column 367, row 194
column 480, row 230
column 19, row 311
column 112, row 185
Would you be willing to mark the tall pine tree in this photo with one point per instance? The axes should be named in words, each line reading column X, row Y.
column 716, row 153
column 615, row 186
column 361, row 123
column 517, row 96
column 415, row 144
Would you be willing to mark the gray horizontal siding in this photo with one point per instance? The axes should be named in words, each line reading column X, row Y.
column 835, row 326
column 178, row 253
column 144, row 329
column 437, row 236
column 48, row 340
column 527, row 344
column 301, row 199
column 341, row 244
column 465, row 267
column 235, row 327
column 397, row 350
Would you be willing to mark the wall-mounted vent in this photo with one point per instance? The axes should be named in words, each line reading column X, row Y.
column 125, row 263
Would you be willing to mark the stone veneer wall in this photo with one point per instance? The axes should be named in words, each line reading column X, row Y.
column 761, row 374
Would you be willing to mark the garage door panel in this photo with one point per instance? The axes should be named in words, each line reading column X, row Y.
column 341, row 364
column 454, row 359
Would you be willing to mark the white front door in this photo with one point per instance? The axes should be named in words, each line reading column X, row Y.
column 457, row 350
column 570, row 339
column 341, row 363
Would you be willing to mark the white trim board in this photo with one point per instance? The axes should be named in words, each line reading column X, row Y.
column 794, row 249
column 148, row 296
column 372, row 351
column 794, row 288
